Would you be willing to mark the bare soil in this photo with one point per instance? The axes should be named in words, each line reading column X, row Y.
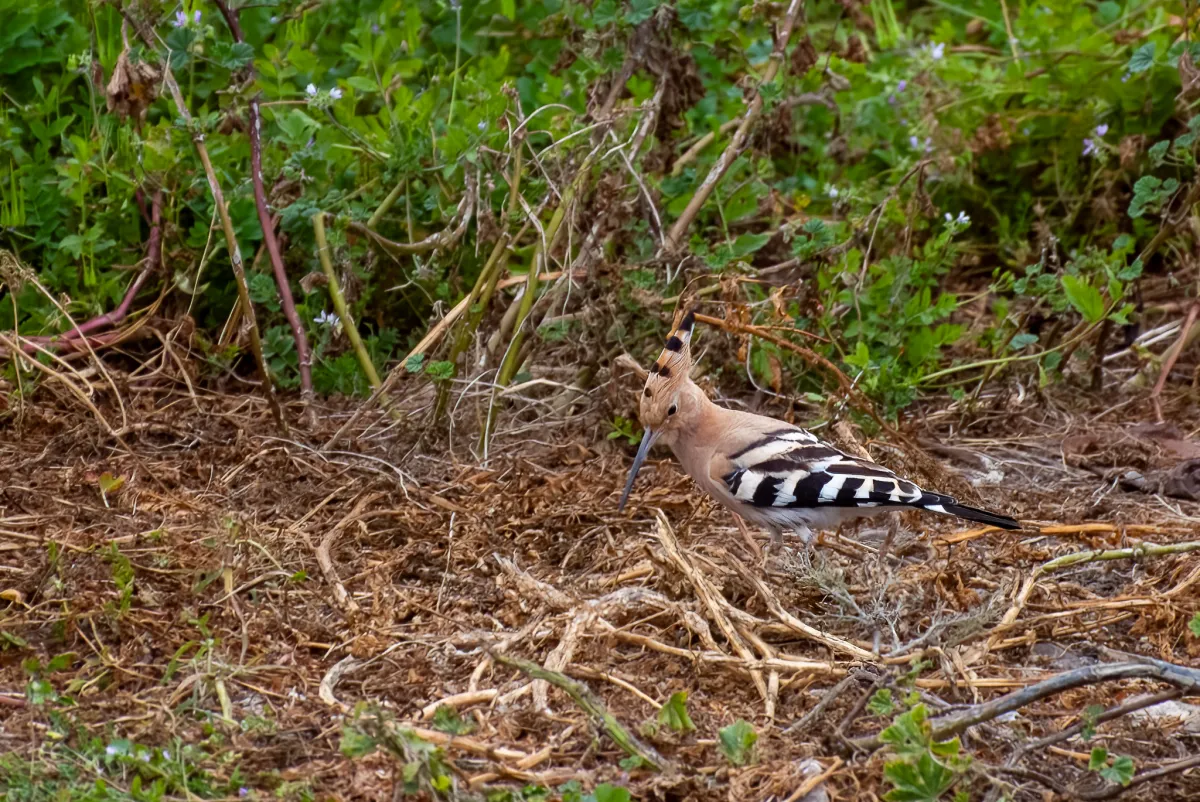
column 436, row 562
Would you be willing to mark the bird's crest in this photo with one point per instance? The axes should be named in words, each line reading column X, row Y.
column 675, row 361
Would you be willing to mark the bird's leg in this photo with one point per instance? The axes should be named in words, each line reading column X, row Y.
column 893, row 528
column 807, row 537
column 749, row 538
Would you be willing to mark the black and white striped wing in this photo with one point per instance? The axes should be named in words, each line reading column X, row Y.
column 792, row 469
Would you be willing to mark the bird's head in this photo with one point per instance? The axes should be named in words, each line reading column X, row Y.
column 669, row 399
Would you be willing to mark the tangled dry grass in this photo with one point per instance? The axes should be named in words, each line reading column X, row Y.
column 273, row 585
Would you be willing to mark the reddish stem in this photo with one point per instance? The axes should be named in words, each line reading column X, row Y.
column 153, row 251
column 264, row 217
column 67, row 340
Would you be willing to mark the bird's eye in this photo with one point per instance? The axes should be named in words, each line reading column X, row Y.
column 672, row 410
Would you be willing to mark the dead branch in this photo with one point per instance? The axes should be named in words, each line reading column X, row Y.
column 591, row 704
column 712, row 600
column 945, row 727
column 740, row 137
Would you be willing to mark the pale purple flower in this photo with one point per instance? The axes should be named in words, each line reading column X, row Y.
column 962, row 219
column 166, row 755
column 937, row 50
column 180, row 20
column 1125, row 77
column 196, row 16
column 1101, row 130
column 917, row 144
column 375, row 29
column 110, row 750
column 243, row 791
column 327, row 319
column 1089, row 147
column 335, row 93
column 901, row 86
column 311, row 90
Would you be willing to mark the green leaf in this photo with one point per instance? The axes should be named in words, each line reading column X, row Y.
column 674, row 713
column 1098, row 759
column 363, row 84
column 1090, row 714
column 1131, row 272
column 923, row 781
column 109, row 483
column 1194, row 625
column 908, row 734
column 737, row 742
column 440, row 370
column 355, row 742
column 747, row 244
column 508, row 8
column 1084, row 297
column 610, row 793
column 949, row 748
column 881, row 703
column 1120, row 772
column 1142, row 59
column 414, row 363
column 861, row 358
column 447, row 720
column 1022, row 341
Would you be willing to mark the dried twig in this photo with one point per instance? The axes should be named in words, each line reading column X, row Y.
column 270, row 241
column 709, row 596
column 339, row 304
column 740, row 137
column 231, row 243
column 1077, row 558
column 948, row 726
column 591, row 705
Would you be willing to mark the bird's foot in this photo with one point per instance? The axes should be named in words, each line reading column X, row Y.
column 755, row 551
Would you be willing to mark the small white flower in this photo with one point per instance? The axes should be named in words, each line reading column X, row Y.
column 311, row 90
column 144, row 757
column 831, row 191
column 482, row 126
column 937, row 50
column 335, row 93
column 110, row 750
column 963, row 219
column 327, row 319
column 166, row 755
column 949, row 218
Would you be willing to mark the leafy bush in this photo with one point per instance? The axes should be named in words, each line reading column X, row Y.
column 910, row 159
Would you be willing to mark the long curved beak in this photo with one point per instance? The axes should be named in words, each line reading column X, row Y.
column 648, row 438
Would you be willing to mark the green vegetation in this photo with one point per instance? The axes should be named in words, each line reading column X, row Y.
column 947, row 191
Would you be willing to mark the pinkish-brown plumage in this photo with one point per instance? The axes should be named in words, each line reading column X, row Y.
column 771, row 473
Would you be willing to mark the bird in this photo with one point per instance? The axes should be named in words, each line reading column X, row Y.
column 770, row 473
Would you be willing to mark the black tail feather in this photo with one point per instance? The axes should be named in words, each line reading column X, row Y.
column 981, row 516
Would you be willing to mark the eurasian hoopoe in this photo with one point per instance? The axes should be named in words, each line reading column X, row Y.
column 771, row 473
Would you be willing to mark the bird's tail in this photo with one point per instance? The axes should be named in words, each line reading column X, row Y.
column 981, row 516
